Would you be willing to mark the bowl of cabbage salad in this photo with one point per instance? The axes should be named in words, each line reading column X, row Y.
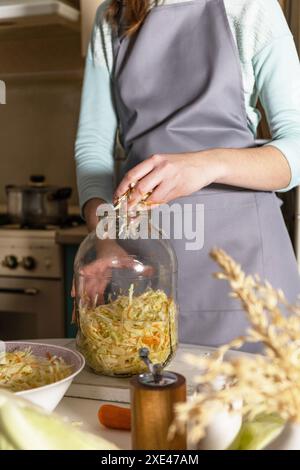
column 41, row 373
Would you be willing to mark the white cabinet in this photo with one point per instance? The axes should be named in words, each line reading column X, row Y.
column 88, row 12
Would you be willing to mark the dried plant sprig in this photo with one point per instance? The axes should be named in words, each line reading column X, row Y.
column 129, row 221
column 268, row 383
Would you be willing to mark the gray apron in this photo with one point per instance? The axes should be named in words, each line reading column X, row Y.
column 178, row 88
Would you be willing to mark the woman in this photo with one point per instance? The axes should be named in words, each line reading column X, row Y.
column 180, row 79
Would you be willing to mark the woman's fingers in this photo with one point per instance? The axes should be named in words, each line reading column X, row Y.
column 94, row 290
column 137, row 173
column 96, row 276
column 163, row 192
column 144, row 186
column 97, row 268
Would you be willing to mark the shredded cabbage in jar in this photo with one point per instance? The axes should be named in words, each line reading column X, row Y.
column 22, row 370
column 111, row 335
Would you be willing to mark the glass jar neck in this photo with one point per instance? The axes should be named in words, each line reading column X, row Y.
column 119, row 225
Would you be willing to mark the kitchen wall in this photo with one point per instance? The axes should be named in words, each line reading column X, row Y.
column 292, row 11
column 43, row 74
column 88, row 13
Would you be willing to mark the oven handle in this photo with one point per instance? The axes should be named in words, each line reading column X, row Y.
column 30, row 291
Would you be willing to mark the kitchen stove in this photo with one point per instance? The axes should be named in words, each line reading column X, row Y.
column 32, row 296
column 30, row 254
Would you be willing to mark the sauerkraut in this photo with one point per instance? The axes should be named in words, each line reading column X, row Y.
column 111, row 335
column 22, row 370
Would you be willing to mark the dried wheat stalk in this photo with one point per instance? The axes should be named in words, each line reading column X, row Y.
column 265, row 384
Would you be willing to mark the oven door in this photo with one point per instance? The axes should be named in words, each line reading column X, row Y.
column 31, row 309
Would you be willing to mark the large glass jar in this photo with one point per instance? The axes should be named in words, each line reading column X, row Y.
column 125, row 282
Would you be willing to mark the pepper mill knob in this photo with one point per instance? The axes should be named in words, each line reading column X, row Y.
column 154, row 369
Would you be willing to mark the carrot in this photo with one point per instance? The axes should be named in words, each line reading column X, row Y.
column 115, row 417
column 150, row 340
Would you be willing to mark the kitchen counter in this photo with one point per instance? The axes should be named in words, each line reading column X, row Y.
column 89, row 385
column 71, row 236
column 89, row 391
column 84, row 411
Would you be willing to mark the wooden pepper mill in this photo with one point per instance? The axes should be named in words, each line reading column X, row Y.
column 153, row 397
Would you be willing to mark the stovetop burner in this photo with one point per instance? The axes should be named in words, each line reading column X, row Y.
column 71, row 222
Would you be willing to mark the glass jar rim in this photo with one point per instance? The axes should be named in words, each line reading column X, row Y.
column 115, row 214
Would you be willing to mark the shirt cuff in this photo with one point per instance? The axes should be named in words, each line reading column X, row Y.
column 290, row 148
column 100, row 189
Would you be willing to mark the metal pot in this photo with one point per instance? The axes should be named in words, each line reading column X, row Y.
column 37, row 204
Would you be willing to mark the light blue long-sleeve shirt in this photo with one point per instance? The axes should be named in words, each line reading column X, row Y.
column 271, row 72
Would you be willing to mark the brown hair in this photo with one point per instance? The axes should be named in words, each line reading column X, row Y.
column 134, row 13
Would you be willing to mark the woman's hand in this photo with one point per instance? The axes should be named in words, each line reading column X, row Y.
column 97, row 274
column 90, row 213
column 169, row 177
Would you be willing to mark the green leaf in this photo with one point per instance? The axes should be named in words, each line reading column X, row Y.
column 259, row 433
column 26, row 427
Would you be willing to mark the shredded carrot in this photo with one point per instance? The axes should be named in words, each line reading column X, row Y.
column 150, row 340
